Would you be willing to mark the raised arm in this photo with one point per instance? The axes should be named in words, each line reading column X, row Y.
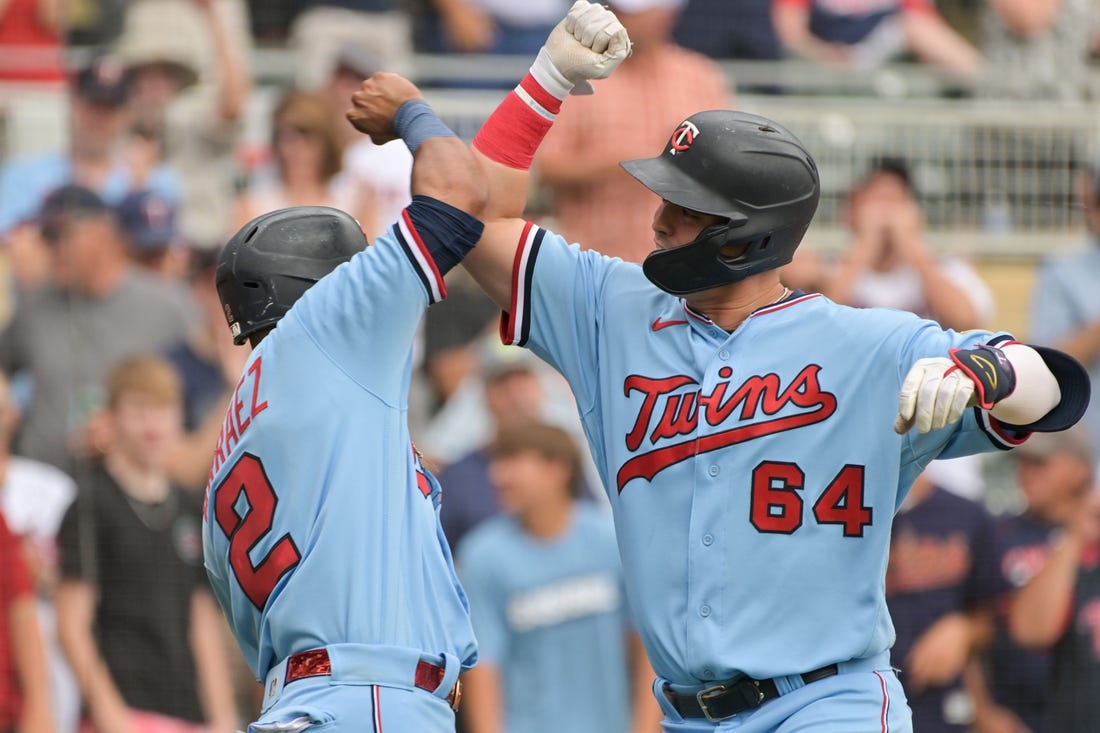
column 588, row 44
column 388, row 107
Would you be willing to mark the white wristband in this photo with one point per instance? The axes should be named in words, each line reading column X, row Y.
column 1037, row 391
column 548, row 76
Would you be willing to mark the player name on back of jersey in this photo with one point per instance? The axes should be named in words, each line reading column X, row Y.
column 244, row 406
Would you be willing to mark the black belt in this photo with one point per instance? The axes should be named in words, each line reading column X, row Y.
column 736, row 696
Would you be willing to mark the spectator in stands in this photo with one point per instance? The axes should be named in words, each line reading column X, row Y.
column 889, row 264
column 867, row 34
column 492, row 26
column 512, row 393
column 138, row 623
column 322, row 27
column 546, row 590
column 1040, row 48
column 147, row 221
column 31, row 41
column 1059, row 609
column 729, row 29
column 942, row 584
column 381, row 172
column 33, row 499
column 1065, row 306
column 593, row 198
column 1055, row 472
column 307, row 165
column 98, row 309
column 24, row 679
column 188, row 60
column 96, row 158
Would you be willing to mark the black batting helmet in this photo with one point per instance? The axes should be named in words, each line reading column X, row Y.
column 277, row 257
column 744, row 168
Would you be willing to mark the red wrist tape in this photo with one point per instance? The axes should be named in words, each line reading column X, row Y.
column 516, row 128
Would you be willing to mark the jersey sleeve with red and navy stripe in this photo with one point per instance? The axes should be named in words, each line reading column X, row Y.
column 364, row 314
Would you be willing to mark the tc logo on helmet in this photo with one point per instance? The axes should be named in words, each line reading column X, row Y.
column 682, row 138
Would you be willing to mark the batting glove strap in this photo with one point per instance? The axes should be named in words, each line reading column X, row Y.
column 990, row 370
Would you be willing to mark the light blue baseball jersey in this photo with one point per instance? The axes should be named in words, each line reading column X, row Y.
column 551, row 615
column 320, row 525
column 753, row 475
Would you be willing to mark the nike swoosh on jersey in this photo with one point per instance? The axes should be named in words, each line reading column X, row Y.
column 658, row 324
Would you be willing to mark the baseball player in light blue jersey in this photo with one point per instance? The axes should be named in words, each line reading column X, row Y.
column 754, row 442
column 321, row 531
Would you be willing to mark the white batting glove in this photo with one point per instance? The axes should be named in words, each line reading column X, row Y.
column 934, row 394
column 589, row 43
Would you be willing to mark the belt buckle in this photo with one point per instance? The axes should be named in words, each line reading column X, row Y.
column 703, row 695
column 751, row 693
column 456, row 695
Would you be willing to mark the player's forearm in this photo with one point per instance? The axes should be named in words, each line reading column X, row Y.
column 1038, row 614
column 444, row 168
column 507, row 189
column 212, row 663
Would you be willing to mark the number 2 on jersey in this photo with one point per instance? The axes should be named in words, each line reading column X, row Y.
column 777, row 505
column 246, row 530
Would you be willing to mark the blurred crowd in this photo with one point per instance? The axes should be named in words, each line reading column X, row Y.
column 116, row 364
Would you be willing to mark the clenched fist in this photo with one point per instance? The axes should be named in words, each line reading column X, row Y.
column 377, row 101
column 589, row 43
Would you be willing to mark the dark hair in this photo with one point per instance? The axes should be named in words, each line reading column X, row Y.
column 547, row 441
column 893, row 165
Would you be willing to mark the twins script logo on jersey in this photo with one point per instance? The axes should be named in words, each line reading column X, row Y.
column 669, row 410
column 682, row 138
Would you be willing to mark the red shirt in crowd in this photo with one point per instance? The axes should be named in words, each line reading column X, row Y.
column 29, row 50
column 15, row 581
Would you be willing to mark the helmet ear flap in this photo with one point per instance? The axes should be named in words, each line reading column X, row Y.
column 691, row 267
